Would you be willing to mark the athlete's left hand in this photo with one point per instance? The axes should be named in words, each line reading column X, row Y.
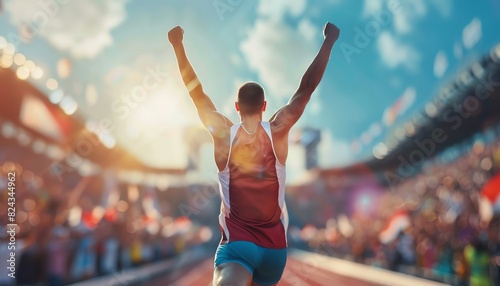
column 175, row 35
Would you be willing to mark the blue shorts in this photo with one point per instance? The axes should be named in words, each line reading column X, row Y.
column 265, row 264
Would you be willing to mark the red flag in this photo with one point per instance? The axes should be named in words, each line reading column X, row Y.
column 489, row 201
column 396, row 223
column 89, row 219
column 491, row 190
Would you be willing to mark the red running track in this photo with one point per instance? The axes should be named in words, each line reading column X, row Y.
column 296, row 273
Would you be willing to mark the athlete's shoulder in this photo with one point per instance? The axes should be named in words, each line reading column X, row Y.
column 278, row 128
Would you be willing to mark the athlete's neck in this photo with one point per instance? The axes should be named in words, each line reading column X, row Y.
column 250, row 122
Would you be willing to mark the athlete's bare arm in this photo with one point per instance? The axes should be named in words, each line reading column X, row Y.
column 287, row 116
column 214, row 121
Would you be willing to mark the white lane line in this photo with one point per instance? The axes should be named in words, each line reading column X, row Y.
column 359, row 271
column 195, row 274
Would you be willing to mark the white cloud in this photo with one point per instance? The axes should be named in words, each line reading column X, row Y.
column 440, row 64
column 279, row 54
column 394, row 53
column 278, row 8
column 333, row 152
column 228, row 109
column 472, row 33
column 444, row 7
column 236, row 59
column 406, row 13
column 314, row 106
column 81, row 27
column 411, row 11
column 307, row 29
column 372, row 6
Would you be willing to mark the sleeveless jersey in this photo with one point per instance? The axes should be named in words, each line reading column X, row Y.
column 252, row 190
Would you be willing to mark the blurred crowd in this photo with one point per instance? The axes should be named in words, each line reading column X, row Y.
column 64, row 234
column 444, row 234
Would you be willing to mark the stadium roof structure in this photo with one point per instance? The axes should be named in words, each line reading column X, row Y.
column 462, row 107
column 25, row 105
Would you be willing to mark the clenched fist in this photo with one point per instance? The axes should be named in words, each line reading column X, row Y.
column 331, row 31
column 175, row 35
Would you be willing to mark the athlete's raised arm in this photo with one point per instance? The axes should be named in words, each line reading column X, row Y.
column 286, row 116
column 212, row 119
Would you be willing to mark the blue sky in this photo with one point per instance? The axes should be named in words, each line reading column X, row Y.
column 113, row 47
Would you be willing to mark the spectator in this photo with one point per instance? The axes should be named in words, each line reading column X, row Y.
column 58, row 258
column 477, row 256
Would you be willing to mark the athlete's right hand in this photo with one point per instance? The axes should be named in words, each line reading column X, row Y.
column 175, row 35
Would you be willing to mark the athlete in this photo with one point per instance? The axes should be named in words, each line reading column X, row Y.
column 250, row 157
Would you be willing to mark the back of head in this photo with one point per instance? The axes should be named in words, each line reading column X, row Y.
column 250, row 98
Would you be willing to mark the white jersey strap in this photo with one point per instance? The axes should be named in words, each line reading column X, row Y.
column 267, row 128
column 232, row 135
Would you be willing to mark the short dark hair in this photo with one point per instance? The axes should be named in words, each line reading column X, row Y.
column 250, row 98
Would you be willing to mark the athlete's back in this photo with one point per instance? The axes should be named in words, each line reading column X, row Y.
column 252, row 189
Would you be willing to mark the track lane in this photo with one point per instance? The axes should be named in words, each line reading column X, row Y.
column 296, row 273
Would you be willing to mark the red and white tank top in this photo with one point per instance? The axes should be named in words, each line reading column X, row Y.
column 252, row 190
